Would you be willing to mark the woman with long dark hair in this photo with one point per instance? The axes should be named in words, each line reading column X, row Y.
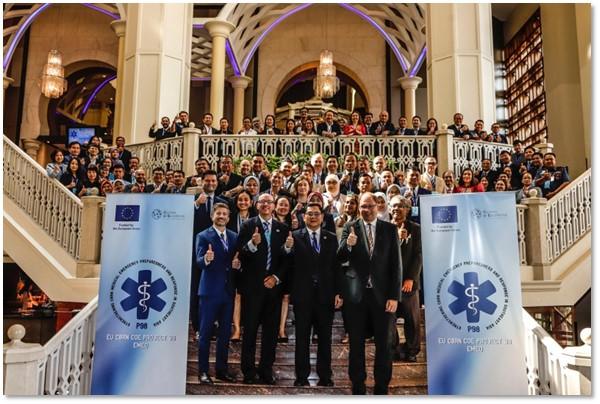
column 72, row 177
column 468, row 183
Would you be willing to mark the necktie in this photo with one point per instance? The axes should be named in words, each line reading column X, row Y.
column 370, row 238
column 315, row 243
column 209, row 205
column 268, row 237
column 224, row 242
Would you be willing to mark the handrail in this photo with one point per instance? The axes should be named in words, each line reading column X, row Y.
column 48, row 202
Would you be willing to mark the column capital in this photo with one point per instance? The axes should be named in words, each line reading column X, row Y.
column 240, row 81
column 7, row 81
column 119, row 27
column 410, row 83
column 219, row 28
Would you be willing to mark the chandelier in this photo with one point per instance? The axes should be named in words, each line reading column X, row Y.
column 53, row 76
column 326, row 84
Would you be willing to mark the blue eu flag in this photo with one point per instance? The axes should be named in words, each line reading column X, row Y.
column 127, row 213
column 444, row 214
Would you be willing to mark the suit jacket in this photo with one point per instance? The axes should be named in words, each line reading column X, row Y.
column 202, row 220
column 440, row 186
column 335, row 127
column 415, row 132
column 151, row 187
column 307, row 266
column 234, row 181
column 384, row 266
column 265, row 183
column 412, row 258
column 387, row 127
column 216, row 279
column 491, row 176
column 352, row 185
column 254, row 264
column 125, row 157
column 416, row 200
column 161, row 133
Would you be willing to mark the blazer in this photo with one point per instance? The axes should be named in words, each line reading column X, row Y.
column 307, row 266
column 414, row 132
column 440, row 185
column 387, row 127
column 335, row 127
column 161, row 133
column 255, row 263
column 216, row 279
column 234, row 181
column 384, row 266
column 202, row 220
column 412, row 256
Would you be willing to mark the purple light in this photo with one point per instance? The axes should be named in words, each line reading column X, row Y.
column 94, row 94
column 282, row 17
column 232, row 59
column 19, row 34
column 418, row 63
column 388, row 39
column 103, row 11
column 198, row 26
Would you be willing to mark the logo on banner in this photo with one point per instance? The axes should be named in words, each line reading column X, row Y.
column 482, row 213
column 472, row 297
column 143, row 292
column 480, row 300
column 127, row 213
column 444, row 214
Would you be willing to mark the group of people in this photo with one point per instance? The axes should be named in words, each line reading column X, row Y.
column 323, row 235
column 328, row 126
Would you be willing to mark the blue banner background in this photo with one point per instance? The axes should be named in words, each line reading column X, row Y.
column 472, row 284
column 143, row 302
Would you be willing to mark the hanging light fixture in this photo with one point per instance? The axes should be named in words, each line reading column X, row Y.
column 326, row 83
column 53, row 82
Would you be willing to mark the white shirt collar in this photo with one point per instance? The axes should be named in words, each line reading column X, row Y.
column 219, row 232
column 310, row 232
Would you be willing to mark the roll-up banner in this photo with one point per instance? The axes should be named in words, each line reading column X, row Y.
column 473, row 309
column 143, row 301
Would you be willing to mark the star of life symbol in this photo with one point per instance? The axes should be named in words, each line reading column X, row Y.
column 472, row 297
column 143, row 294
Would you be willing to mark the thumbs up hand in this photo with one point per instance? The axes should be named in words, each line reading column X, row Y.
column 289, row 241
column 236, row 263
column 402, row 232
column 256, row 238
column 209, row 256
column 352, row 238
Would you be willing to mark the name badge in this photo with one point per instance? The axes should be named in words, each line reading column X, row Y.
column 414, row 211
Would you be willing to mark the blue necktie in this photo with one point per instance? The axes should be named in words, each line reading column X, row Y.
column 224, row 242
column 315, row 243
column 268, row 237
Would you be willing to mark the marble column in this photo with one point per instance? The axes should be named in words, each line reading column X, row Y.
column 239, row 85
column 409, row 85
column 119, row 28
column 156, row 68
column 219, row 31
column 460, row 62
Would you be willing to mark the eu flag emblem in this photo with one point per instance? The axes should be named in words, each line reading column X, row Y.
column 444, row 214
column 127, row 213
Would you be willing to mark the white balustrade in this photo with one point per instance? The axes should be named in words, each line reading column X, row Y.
column 469, row 153
column 165, row 153
column 61, row 367
column 521, row 234
column 569, row 215
column 49, row 203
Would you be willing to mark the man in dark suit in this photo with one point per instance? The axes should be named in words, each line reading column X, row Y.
column 414, row 192
column 409, row 234
column 370, row 248
column 164, row 131
column 158, row 182
column 315, row 292
column 416, row 129
column 216, row 255
column 349, row 177
column 329, row 127
column 259, row 170
column 124, row 154
column 227, row 178
column 261, row 250
column 459, row 128
column 384, row 127
column 487, row 172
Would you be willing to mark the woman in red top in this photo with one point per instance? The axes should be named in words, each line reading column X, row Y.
column 355, row 127
column 468, row 183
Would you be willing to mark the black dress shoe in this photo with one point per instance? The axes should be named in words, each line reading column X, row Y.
column 359, row 389
column 411, row 358
column 380, row 391
column 325, row 383
column 226, row 377
column 204, row 378
column 282, row 339
column 301, row 383
column 251, row 379
column 266, row 379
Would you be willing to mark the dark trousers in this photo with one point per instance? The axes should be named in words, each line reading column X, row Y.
column 195, row 283
column 213, row 309
column 260, row 308
column 306, row 314
column 358, row 316
column 410, row 309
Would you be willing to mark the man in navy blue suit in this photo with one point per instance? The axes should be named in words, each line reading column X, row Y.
column 217, row 257
column 414, row 192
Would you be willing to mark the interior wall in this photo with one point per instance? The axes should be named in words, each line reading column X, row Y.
column 79, row 33
column 301, row 37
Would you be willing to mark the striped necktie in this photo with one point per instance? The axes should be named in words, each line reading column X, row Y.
column 268, row 237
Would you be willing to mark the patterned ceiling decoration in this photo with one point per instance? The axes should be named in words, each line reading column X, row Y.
column 17, row 17
column 202, row 55
column 401, row 25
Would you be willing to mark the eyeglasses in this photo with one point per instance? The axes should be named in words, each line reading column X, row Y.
column 367, row 206
column 266, row 202
column 431, row 163
column 313, row 214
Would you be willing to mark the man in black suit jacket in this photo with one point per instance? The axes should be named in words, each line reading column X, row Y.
column 315, row 292
column 370, row 248
column 124, row 154
column 487, row 172
column 263, row 269
column 384, row 127
column 227, row 178
column 409, row 234
column 349, row 177
column 414, row 192
column 416, row 130
column 329, row 127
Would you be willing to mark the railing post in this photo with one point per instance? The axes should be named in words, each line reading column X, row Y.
column 445, row 150
column 32, row 147
column 536, row 228
column 579, row 360
column 21, row 364
column 90, row 237
column 545, row 147
column 191, row 149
